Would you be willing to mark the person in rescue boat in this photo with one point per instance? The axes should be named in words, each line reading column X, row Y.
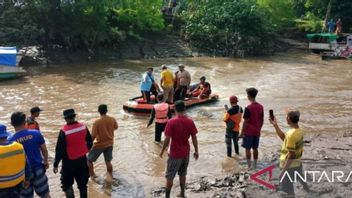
column 203, row 90
column 15, row 170
column 167, row 83
column 148, row 85
column 34, row 145
column 31, row 122
column 182, row 83
column 73, row 143
column 162, row 113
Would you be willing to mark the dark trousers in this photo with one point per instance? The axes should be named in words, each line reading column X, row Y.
column 180, row 93
column 75, row 170
column 286, row 184
column 146, row 94
column 12, row 192
column 159, row 128
column 230, row 137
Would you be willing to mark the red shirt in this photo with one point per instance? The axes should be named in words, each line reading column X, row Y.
column 180, row 128
column 254, row 114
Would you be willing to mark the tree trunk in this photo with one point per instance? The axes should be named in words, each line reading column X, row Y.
column 327, row 15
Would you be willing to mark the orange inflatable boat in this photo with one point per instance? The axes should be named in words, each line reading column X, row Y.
column 140, row 107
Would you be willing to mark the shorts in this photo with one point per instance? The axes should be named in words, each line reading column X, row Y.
column 176, row 166
column 38, row 182
column 96, row 152
column 250, row 142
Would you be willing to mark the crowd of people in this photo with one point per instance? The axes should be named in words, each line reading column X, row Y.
column 24, row 156
column 173, row 86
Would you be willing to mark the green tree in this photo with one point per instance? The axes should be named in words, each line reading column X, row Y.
column 230, row 27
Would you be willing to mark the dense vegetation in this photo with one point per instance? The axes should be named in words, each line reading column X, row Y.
column 229, row 27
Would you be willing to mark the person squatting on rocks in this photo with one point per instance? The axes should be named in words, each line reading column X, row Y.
column 103, row 140
column 72, row 145
column 232, row 118
column 162, row 113
column 178, row 130
column 252, row 125
column 291, row 152
column 34, row 145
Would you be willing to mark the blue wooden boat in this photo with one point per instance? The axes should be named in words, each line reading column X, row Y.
column 9, row 60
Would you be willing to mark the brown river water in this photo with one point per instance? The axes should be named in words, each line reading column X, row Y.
column 321, row 90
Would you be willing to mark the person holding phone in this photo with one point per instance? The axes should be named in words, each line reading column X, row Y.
column 291, row 151
column 232, row 118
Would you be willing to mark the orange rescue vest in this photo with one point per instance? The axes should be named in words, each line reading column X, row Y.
column 161, row 111
column 236, row 117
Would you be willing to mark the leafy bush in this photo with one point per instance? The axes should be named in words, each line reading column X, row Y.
column 230, row 27
column 281, row 12
column 310, row 23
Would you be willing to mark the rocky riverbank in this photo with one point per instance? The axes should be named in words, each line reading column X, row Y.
column 152, row 47
column 322, row 153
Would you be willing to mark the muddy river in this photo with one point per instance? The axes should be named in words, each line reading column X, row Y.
column 322, row 90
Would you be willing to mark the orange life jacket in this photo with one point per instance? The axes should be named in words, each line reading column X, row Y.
column 236, row 117
column 161, row 111
column 76, row 145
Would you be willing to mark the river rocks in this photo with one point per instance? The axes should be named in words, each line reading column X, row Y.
column 325, row 154
column 33, row 55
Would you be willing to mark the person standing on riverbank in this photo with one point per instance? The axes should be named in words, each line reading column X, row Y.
column 291, row 152
column 331, row 26
column 72, row 145
column 178, row 130
column 12, row 162
column 162, row 113
column 183, row 81
column 31, row 122
column 252, row 125
column 233, row 117
column 103, row 140
column 167, row 83
column 338, row 26
column 34, row 146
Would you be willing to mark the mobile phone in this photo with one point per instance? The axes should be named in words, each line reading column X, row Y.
column 271, row 114
column 226, row 107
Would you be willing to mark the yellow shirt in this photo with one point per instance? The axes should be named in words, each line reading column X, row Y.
column 168, row 79
column 293, row 142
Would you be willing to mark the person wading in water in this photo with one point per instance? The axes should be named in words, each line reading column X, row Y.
column 72, row 145
column 178, row 130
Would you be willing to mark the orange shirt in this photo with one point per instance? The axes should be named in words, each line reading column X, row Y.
column 32, row 124
column 234, row 114
column 103, row 131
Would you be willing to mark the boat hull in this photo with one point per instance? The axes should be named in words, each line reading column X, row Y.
column 136, row 108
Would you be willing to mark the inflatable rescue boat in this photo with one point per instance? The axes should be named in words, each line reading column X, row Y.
column 140, row 107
